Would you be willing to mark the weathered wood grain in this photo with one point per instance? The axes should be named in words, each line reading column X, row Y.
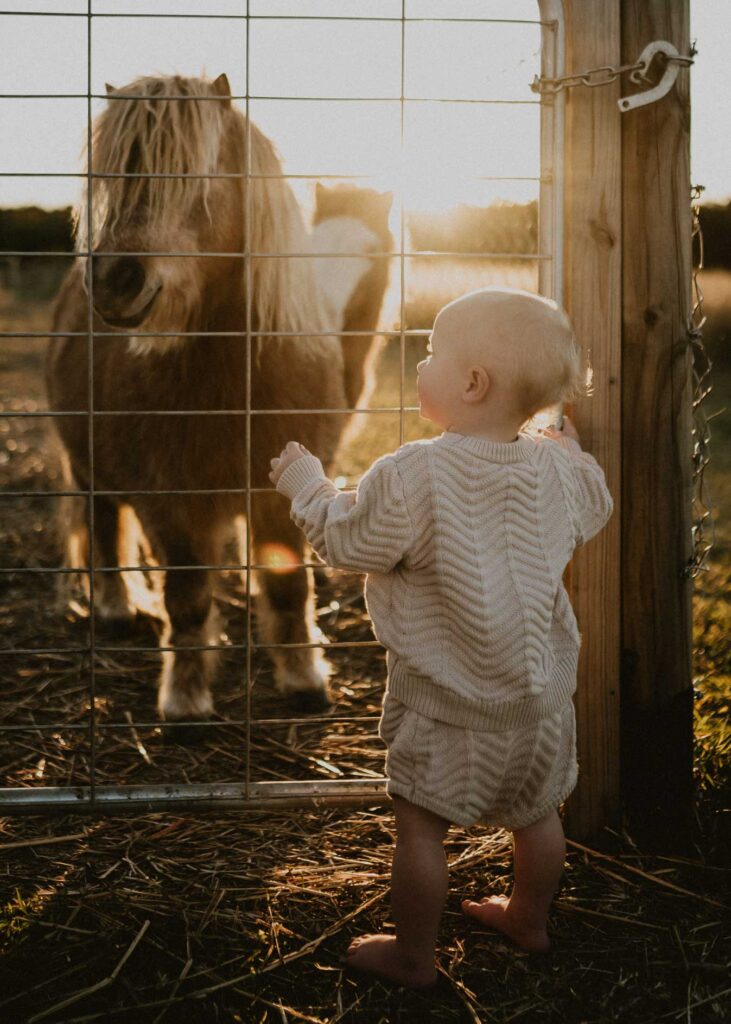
column 657, row 718
column 593, row 225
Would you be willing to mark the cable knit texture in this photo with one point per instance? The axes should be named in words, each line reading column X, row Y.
column 465, row 542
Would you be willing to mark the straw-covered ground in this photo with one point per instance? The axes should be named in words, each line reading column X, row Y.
column 244, row 917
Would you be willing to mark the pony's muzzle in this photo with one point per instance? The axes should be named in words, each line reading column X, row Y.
column 118, row 289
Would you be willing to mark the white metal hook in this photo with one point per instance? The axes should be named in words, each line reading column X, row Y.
column 665, row 84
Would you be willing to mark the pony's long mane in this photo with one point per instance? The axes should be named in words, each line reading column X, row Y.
column 286, row 295
column 152, row 136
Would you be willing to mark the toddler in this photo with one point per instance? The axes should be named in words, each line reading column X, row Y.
column 465, row 539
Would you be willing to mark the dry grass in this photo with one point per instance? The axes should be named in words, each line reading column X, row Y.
column 245, row 917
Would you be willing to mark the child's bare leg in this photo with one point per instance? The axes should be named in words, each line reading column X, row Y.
column 539, row 851
column 418, row 893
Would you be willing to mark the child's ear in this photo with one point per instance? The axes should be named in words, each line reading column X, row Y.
column 478, row 384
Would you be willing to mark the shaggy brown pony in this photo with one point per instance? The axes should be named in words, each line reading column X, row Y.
column 161, row 358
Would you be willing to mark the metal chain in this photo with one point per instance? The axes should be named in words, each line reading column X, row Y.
column 608, row 74
column 604, row 75
column 702, row 525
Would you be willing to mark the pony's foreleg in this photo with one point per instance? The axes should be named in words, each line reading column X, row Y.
column 184, row 692
column 285, row 605
column 111, row 599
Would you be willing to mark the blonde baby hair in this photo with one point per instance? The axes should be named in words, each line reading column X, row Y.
column 527, row 342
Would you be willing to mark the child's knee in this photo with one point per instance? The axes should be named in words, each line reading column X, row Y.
column 549, row 821
column 414, row 822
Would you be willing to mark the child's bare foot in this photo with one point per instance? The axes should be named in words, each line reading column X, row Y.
column 379, row 955
column 495, row 912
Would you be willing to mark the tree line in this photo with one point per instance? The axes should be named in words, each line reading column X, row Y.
column 505, row 228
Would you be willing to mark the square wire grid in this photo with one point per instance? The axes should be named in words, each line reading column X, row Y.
column 250, row 793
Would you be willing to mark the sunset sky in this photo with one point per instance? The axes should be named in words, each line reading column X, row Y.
column 448, row 146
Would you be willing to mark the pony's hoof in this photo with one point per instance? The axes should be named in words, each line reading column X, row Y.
column 191, row 734
column 303, row 681
column 311, row 701
column 122, row 626
column 115, row 613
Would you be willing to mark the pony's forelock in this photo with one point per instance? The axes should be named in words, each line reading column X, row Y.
column 151, row 136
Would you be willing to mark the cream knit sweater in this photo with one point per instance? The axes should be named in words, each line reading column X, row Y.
column 465, row 542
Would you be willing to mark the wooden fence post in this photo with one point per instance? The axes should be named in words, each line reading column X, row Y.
column 593, row 234
column 657, row 696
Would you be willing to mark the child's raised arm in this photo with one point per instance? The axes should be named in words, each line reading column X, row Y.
column 368, row 530
column 592, row 500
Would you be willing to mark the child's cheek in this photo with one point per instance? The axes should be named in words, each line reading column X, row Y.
column 422, row 388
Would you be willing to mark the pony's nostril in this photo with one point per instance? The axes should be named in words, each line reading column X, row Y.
column 122, row 276
column 127, row 277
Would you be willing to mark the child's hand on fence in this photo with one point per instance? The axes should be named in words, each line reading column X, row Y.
column 290, row 454
column 567, row 430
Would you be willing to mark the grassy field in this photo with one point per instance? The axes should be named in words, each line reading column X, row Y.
column 712, row 602
column 716, row 286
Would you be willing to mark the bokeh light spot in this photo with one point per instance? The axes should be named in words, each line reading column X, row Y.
column 278, row 558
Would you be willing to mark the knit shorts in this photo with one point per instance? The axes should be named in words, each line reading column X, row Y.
column 508, row 779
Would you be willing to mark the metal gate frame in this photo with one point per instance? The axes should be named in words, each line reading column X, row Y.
column 550, row 258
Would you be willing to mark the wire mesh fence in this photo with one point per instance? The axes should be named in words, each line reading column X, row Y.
column 70, row 680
